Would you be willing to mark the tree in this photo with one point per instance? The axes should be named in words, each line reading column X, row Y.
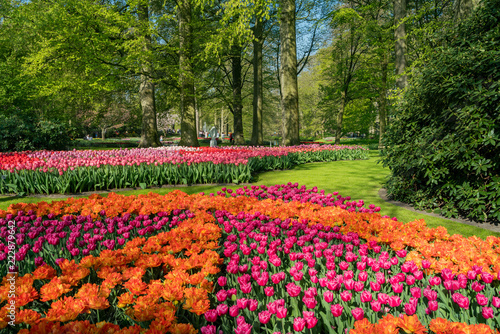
column 442, row 146
column 400, row 42
column 107, row 114
column 345, row 62
column 149, row 134
column 257, row 134
column 288, row 74
column 189, row 137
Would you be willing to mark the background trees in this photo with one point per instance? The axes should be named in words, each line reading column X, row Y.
column 226, row 62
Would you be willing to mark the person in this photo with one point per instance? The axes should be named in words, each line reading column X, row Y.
column 213, row 137
column 231, row 139
column 161, row 139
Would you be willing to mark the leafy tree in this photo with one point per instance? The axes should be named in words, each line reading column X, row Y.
column 442, row 146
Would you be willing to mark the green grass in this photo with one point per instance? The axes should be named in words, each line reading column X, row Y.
column 359, row 179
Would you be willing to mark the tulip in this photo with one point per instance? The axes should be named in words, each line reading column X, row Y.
column 293, row 290
column 375, row 286
column 281, row 312
column 264, row 317
column 222, row 309
column 476, row 286
column 299, row 324
column 336, row 310
column 433, row 305
column 410, row 308
column 269, row 291
column 482, row 299
column 394, row 301
column 358, row 313
column 376, row 305
column 366, row 296
column 310, row 319
column 222, row 281
column 234, row 311
column 328, row 296
column 487, row 312
column 345, row 296
column 211, row 315
column 495, row 302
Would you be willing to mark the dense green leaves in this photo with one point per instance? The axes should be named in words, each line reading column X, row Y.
column 444, row 144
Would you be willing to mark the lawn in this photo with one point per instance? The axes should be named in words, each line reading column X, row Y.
column 359, row 179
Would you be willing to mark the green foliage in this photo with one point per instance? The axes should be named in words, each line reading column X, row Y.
column 444, row 143
column 20, row 131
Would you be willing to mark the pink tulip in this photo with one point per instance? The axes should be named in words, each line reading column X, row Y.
column 222, row 309
column 281, row 312
column 328, row 296
column 495, row 302
column 336, row 310
column 345, row 296
column 293, row 290
column 376, row 305
column 410, row 308
column 234, row 311
column 394, row 301
column 366, row 296
column 358, row 313
column 211, row 315
column 433, row 305
column 487, row 312
column 310, row 319
column 482, row 299
column 299, row 324
column 476, row 286
column 264, row 317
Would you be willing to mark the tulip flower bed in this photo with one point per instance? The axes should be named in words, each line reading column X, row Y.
column 254, row 260
column 48, row 172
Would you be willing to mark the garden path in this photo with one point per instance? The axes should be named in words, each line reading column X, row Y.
column 488, row 226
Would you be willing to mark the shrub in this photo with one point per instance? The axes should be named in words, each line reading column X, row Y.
column 443, row 145
column 20, row 131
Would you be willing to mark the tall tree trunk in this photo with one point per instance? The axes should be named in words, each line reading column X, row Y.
column 197, row 113
column 149, row 134
column 237, row 104
column 400, row 42
column 189, row 136
column 257, row 135
column 288, row 72
column 382, row 104
column 340, row 117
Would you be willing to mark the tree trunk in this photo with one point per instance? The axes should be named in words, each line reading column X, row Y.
column 257, row 136
column 103, row 133
column 237, row 104
column 288, row 72
column 197, row 113
column 340, row 117
column 189, row 136
column 400, row 42
column 149, row 135
column 382, row 104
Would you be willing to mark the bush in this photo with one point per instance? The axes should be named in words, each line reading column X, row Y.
column 20, row 132
column 443, row 145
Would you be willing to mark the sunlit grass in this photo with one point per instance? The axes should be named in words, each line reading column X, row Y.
column 359, row 179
